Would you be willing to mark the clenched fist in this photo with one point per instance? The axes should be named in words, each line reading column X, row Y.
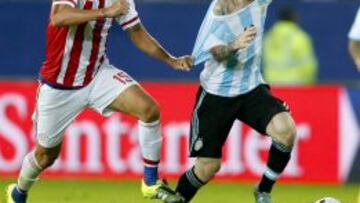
column 183, row 63
column 119, row 7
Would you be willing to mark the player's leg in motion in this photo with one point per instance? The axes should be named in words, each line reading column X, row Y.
column 34, row 163
column 212, row 120
column 136, row 102
column 282, row 130
column 55, row 110
column 198, row 176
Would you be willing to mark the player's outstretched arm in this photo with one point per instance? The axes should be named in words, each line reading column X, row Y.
column 224, row 52
column 354, row 49
column 64, row 15
column 150, row 46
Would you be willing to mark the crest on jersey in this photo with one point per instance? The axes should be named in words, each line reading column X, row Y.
column 199, row 144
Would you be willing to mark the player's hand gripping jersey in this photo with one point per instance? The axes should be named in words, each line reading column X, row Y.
column 242, row 72
column 75, row 54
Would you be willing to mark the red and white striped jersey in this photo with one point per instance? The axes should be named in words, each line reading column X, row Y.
column 75, row 53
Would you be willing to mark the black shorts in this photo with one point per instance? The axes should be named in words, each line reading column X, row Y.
column 213, row 117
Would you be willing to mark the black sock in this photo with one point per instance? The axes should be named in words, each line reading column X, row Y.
column 189, row 184
column 279, row 157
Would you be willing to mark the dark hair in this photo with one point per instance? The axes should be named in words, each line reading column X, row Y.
column 287, row 13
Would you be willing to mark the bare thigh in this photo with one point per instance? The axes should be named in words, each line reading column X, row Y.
column 135, row 101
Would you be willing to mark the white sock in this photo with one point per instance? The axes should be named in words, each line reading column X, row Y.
column 150, row 140
column 30, row 170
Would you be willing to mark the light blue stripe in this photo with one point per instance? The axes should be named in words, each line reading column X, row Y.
column 224, row 32
column 203, row 25
column 246, row 18
column 221, row 31
column 258, row 73
column 247, row 21
column 198, row 43
column 228, row 77
column 199, row 53
column 245, row 78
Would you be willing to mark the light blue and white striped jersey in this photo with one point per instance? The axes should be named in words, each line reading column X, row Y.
column 242, row 73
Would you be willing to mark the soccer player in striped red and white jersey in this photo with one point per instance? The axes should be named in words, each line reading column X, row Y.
column 77, row 74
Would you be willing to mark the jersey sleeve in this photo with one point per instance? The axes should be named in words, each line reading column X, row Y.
column 355, row 29
column 131, row 18
column 72, row 3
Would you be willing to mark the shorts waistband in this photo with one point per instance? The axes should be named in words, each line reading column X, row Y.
column 58, row 86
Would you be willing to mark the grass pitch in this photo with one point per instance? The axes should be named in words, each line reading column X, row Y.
column 76, row 191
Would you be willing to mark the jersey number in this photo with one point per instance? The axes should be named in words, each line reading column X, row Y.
column 122, row 77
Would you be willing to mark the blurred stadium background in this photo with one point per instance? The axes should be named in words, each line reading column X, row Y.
column 101, row 160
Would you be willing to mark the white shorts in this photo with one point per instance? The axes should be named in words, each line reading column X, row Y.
column 56, row 109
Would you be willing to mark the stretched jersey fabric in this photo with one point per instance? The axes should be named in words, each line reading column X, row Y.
column 241, row 73
column 74, row 54
column 355, row 29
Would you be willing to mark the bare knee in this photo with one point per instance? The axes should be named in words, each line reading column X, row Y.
column 282, row 128
column 150, row 112
column 206, row 168
column 46, row 157
column 287, row 135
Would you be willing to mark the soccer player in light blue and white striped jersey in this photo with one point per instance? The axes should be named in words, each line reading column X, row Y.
column 232, row 88
column 244, row 74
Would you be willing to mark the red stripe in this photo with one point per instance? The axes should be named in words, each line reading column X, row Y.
column 75, row 54
column 130, row 21
column 55, row 48
column 95, row 46
column 150, row 162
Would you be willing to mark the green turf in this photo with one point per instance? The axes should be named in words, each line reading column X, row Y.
column 128, row 192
